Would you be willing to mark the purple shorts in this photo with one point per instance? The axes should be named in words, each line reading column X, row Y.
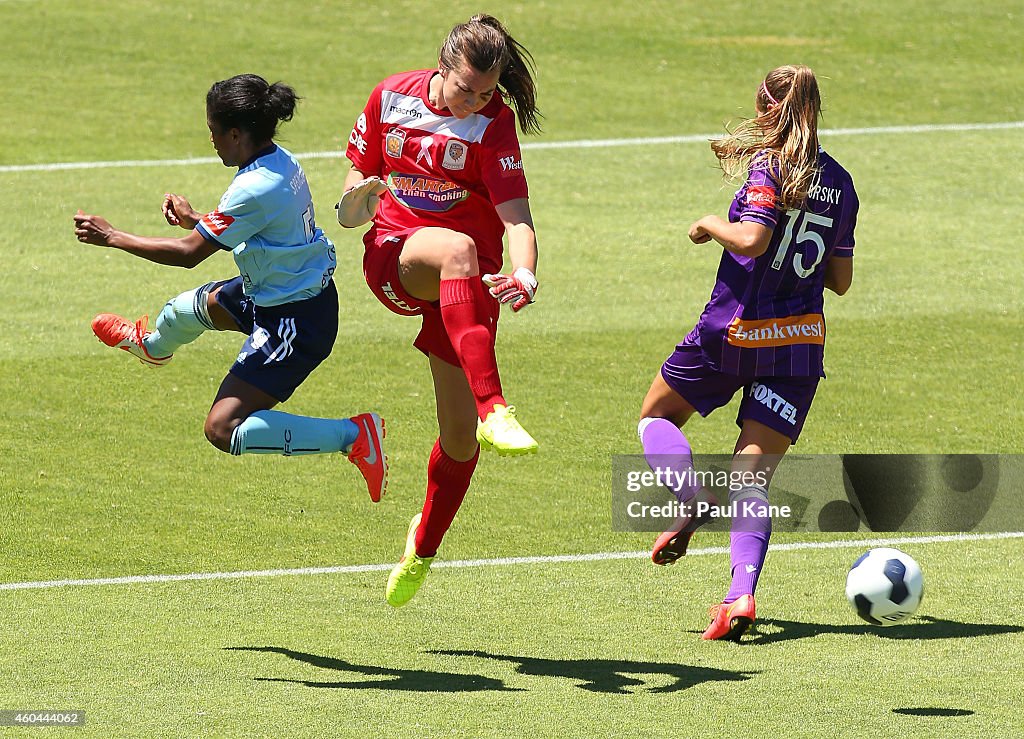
column 780, row 403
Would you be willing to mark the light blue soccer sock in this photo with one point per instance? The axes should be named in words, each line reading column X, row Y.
column 182, row 320
column 273, row 432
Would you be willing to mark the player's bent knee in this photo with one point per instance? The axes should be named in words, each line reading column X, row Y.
column 185, row 316
column 218, row 431
column 460, row 255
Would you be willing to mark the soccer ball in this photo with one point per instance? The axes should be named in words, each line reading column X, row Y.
column 884, row 586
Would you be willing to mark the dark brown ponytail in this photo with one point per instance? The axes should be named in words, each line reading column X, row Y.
column 486, row 45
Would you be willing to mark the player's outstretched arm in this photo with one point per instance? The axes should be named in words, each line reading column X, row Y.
column 359, row 203
column 187, row 251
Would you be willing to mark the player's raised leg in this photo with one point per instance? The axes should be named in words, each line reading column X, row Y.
column 241, row 422
column 441, row 264
column 666, row 446
column 183, row 319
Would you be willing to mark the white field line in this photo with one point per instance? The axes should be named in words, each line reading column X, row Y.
column 502, row 561
column 529, row 146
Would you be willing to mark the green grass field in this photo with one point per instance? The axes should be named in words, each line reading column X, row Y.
column 105, row 473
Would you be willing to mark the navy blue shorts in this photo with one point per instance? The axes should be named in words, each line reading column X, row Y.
column 286, row 342
column 780, row 403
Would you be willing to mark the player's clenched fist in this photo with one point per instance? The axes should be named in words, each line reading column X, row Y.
column 517, row 288
column 699, row 234
column 90, row 229
column 178, row 212
column 359, row 203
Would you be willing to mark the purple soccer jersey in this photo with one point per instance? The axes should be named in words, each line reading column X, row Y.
column 764, row 317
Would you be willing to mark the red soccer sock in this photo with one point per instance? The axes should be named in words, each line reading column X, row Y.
column 447, row 483
column 461, row 308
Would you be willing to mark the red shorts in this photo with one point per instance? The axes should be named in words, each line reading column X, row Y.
column 380, row 268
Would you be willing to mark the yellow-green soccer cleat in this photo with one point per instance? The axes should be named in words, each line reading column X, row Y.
column 410, row 572
column 500, row 432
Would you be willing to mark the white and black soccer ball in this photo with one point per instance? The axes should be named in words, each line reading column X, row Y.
column 885, row 586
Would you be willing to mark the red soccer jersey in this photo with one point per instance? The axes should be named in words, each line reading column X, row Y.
column 441, row 171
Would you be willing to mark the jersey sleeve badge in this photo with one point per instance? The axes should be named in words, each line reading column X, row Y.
column 216, row 222
column 761, row 196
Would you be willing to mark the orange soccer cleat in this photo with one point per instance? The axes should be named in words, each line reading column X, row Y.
column 730, row 621
column 367, row 453
column 120, row 333
column 672, row 544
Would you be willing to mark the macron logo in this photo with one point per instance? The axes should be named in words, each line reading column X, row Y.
column 411, row 112
column 216, row 222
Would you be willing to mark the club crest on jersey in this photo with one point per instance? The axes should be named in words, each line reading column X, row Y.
column 454, row 155
column 393, row 142
column 425, row 193
column 216, row 222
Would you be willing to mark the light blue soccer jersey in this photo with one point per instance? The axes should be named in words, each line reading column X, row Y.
column 266, row 220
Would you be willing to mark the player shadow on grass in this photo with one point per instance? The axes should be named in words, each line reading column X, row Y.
column 419, row 681
column 773, row 630
column 609, row 675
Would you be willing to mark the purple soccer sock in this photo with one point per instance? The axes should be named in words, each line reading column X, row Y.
column 748, row 540
column 666, row 447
